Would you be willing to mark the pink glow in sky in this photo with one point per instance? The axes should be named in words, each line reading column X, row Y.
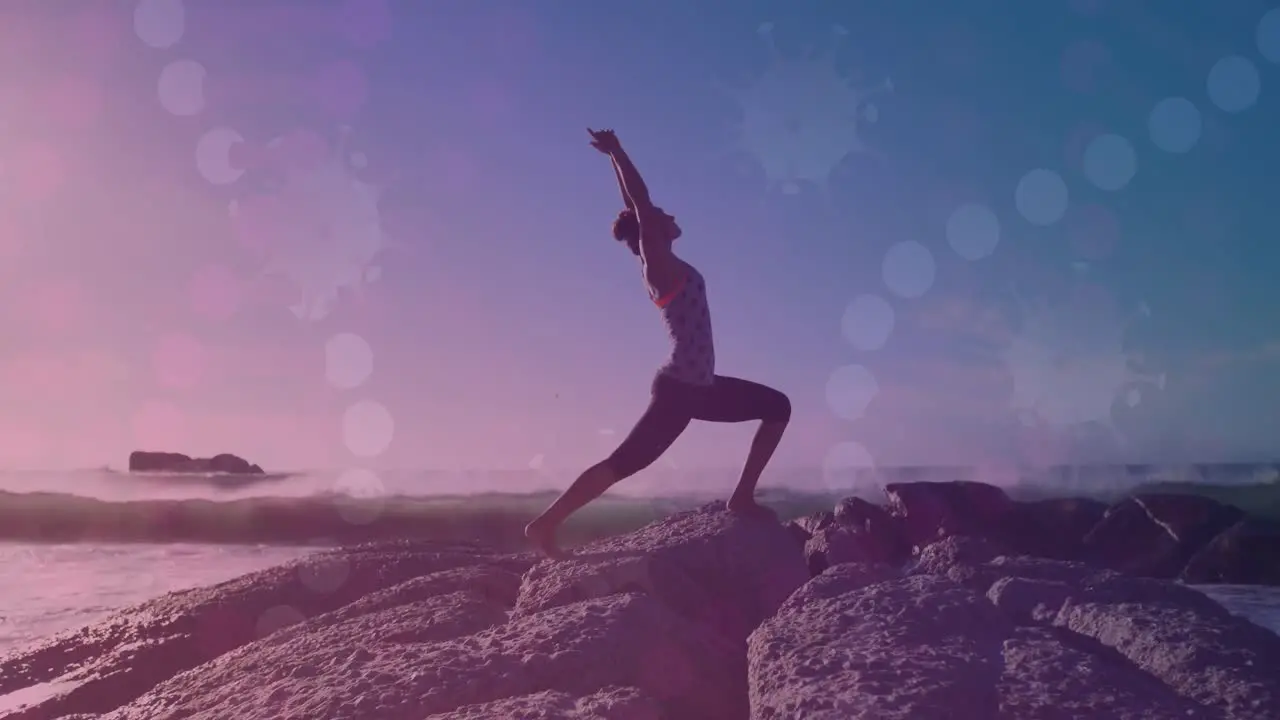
column 419, row 181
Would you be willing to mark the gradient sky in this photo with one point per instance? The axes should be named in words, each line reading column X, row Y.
column 503, row 325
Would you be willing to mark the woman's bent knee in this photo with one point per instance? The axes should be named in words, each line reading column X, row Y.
column 777, row 410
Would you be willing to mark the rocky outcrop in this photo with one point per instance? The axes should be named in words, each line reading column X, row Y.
column 964, row 635
column 109, row 664
column 1053, row 528
column 1157, row 535
column 1248, row 552
column 1160, row 535
column 704, row 615
column 648, row 625
column 169, row 462
column 929, row 511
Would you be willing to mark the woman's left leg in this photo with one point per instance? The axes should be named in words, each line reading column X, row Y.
column 662, row 422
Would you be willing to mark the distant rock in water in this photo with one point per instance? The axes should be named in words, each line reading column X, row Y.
column 144, row 461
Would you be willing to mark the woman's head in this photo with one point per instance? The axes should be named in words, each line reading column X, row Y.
column 626, row 228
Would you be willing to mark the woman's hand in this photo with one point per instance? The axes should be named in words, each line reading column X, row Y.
column 605, row 141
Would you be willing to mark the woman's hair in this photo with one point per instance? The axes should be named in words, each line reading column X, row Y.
column 626, row 229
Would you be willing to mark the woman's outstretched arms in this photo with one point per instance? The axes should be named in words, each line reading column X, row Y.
column 622, row 186
column 655, row 245
column 634, row 192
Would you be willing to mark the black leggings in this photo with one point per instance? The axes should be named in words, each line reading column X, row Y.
column 674, row 403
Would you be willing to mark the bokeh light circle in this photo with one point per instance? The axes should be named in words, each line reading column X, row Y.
column 1109, row 162
column 1268, row 36
column 367, row 428
column 1041, row 197
column 850, row 389
column 909, row 269
column 348, row 361
column 973, row 231
column 867, row 322
column 181, row 88
column 1234, row 84
column 159, row 24
column 213, row 156
column 1175, row 125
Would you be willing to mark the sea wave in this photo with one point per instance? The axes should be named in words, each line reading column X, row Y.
column 495, row 518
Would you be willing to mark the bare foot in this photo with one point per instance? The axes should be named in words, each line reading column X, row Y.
column 543, row 537
column 748, row 507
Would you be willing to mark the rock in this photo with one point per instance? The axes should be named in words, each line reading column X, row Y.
column 838, row 544
column 917, row 647
column 857, row 512
column 1048, row 678
column 716, row 568
column 582, row 650
column 1247, row 553
column 840, row 579
column 146, row 461
column 887, row 531
column 1073, row 641
column 609, row 704
column 319, row 669
column 1028, row 589
column 227, row 463
column 493, row 584
column 1053, row 528
column 112, row 662
column 954, row 553
column 929, row 511
column 978, row 563
column 1029, row 601
column 706, row 615
column 798, row 534
column 1185, row 640
column 803, row 528
column 816, row 521
column 1156, row 535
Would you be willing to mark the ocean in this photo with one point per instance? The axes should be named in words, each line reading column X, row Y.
column 56, row 575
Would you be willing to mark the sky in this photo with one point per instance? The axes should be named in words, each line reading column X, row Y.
column 372, row 233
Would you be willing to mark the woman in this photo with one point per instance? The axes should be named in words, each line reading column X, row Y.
column 686, row 387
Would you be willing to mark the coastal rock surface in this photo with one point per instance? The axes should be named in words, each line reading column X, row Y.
column 702, row 616
column 1160, row 535
column 146, row 461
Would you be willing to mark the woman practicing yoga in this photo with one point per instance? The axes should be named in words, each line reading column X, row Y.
column 686, row 387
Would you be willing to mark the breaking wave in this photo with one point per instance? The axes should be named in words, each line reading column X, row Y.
column 316, row 508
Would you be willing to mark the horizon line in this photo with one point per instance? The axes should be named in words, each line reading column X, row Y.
column 710, row 468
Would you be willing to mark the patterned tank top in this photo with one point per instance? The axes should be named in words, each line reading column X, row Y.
column 687, row 317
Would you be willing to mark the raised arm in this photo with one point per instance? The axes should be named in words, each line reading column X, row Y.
column 622, row 187
column 654, row 226
column 633, row 187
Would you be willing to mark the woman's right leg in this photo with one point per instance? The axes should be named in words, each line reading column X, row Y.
column 734, row 400
column 662, row 422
